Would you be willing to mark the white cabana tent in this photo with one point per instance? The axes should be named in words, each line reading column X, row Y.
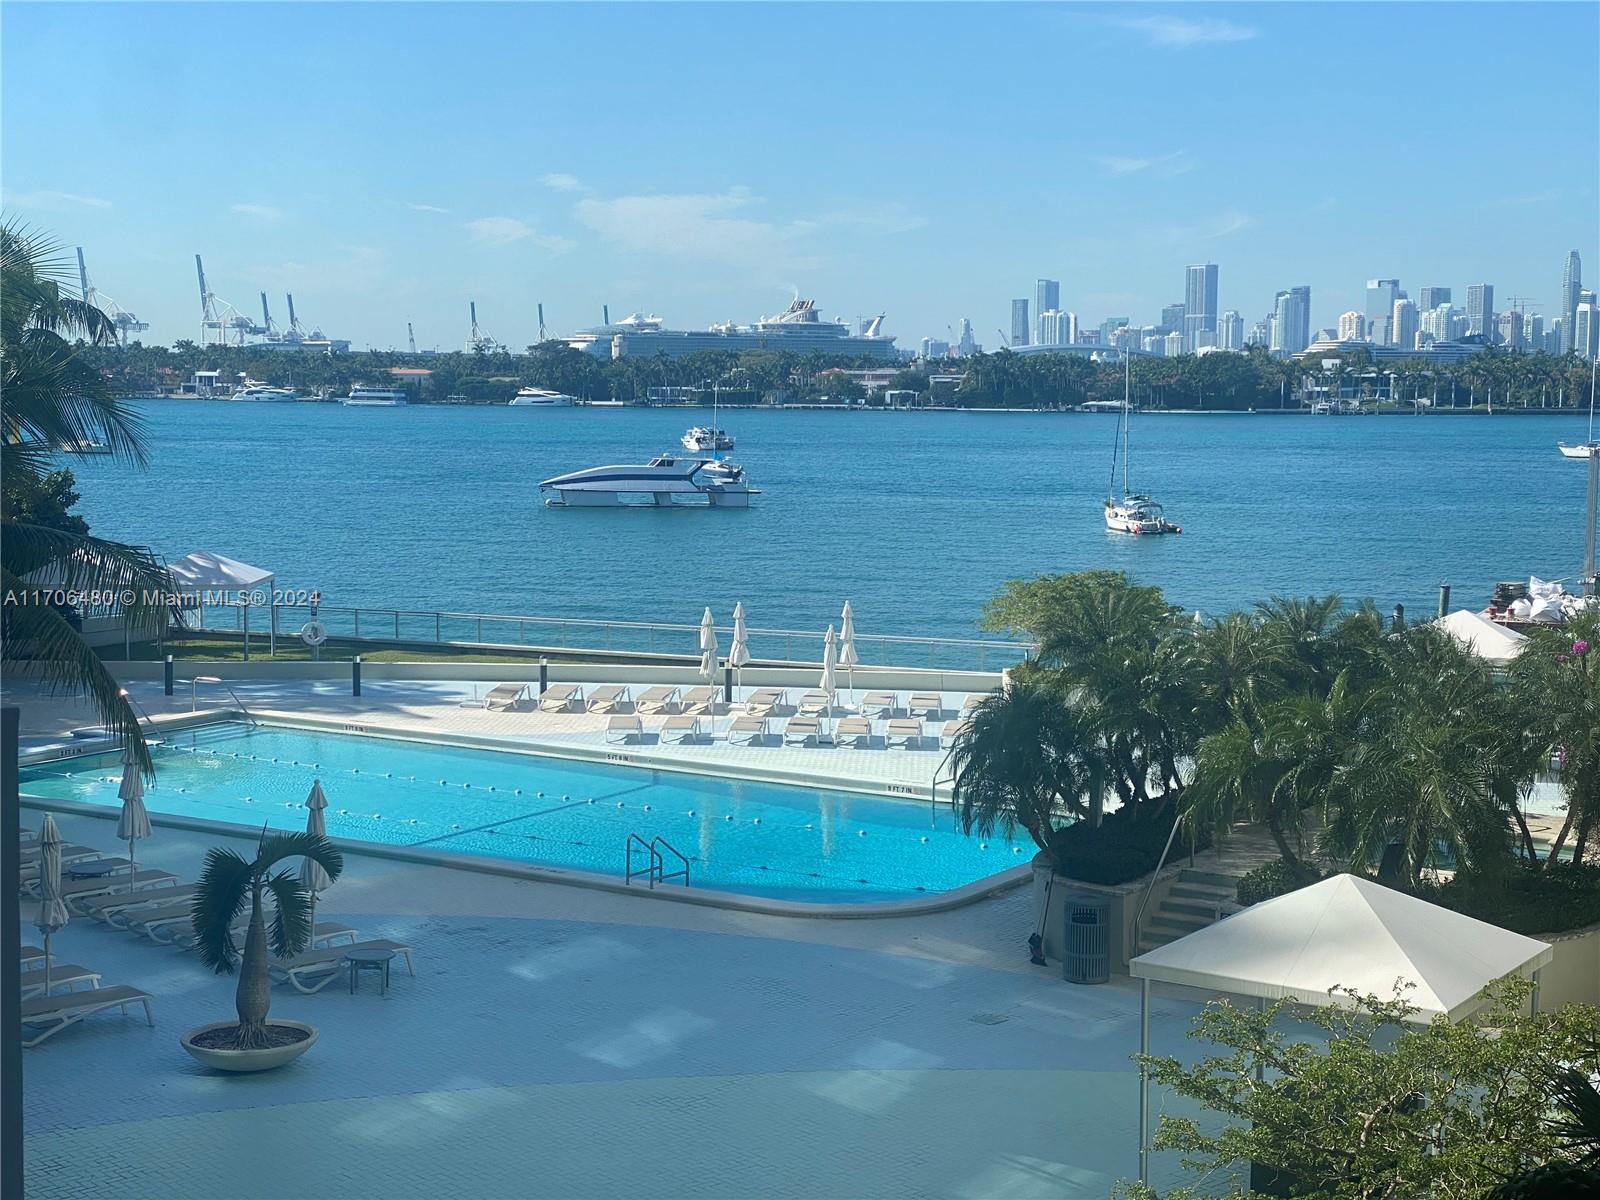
column 1485, row 638
column 204, row 571
column 1344, row 932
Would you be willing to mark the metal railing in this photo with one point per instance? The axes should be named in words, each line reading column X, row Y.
column 194, row 695
column 655, row 869
column 412, row 626
column 1138, row 917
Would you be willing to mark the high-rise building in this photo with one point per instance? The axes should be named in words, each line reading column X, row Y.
column 1586, row 326
column 1533, row 332
column 1200, row 298
column 1441, row 323
column 1291, row 321
column 1175, row 345
column 1352, row 326
column 1403, row 325
column 1381, row 295
column 1020, row 329
column 1172, row 317
column 1429, row 298
column 967, row 345
column 1230, row 331
column 1480, row 311
column 1509, row 330
column 1108, row 329
column 1057, row 328
column 1571, row 285
column 1046, row 296
column 935, row 348
column 1260, row 333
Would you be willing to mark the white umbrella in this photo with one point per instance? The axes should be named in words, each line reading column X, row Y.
column 739, row 651
column 134, row 823
column 847, row 646
column 708, row 647
column 53, row 913
column 830, row 659
column 312, row 877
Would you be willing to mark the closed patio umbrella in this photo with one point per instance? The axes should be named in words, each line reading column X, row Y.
column 708, row 648
column 847, row 646
column 312, row 877
column 134, row 823
column 739, row 651
column 830, row 659
column 53, row 913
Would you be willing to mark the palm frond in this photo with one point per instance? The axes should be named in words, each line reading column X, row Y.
column 290, row 927
column 276, row 847
column 225, row 890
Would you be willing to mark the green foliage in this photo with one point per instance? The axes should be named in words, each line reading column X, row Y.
column 1118, row 850
column 46, row 501
column 1372, row 1106
column 1556, row 690
column 1523, row 897
column 1275, row 879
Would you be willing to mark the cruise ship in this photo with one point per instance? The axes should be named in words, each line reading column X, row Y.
column 799, row 329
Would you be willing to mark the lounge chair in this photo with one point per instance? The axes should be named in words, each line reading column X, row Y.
column 506, row 697
column 656, row 699
column 925, row 704
column 680, row 728
column 904, row 731
column 622, row 727
column 763, row 702
column 117, row 881
column 32, row 956
column 62, row 975
column 951, row 731
column 972, row 701
column 852, row 730
column 70, row 853
column 51, row 1014
column 747, row 731
column 116, row 908
column 700, row 700
column 316, row 969
column 607, row 698
column 800, row 730
column 327, row 933
column 559, row 697
column 879, row 704
column 813, row 703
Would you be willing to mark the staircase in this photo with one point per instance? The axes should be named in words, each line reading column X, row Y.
column 1196, row 900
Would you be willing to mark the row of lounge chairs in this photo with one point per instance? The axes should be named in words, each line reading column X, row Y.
column 907, row 733
column 614, row 698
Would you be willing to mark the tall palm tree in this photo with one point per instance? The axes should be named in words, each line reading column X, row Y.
column 54, row 401
column 1556, row 681
column 227, row 885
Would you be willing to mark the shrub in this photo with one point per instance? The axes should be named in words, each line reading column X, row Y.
column 1524, row 899
column 1119, row 850
column 1277, row 878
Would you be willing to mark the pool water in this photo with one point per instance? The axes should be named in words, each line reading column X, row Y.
column 760, row 839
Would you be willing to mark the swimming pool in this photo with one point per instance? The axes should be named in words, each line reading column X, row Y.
column 760, row 839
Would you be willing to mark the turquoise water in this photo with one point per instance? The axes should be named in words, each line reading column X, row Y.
column 915, row 517
column 760, row 839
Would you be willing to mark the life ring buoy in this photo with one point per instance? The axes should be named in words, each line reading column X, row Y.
column 313, row 633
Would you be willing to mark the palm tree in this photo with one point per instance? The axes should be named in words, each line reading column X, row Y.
column 229, row 883
column 1025, row 760
column 55, row 401
column 1556, row 681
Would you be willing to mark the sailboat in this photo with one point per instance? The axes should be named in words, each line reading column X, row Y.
column 709, row 438
column 1590, row 448
column 1135, row 513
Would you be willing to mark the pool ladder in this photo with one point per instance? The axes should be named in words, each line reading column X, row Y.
column 655, row 852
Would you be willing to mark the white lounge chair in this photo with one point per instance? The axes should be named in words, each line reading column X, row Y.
column 62, row 975
column 852, row 730
column 700, row 700
column 49, row 1015
column 972, row 701
column 656, row 699
column 316, row 969
column 800, row 730
column 623, row 727
column 879, row 704
column 114, row 907
column 763, row 702
column 117, row 881
column 905, row 732
column 326, row 933
column 682, row 727
column 607, row 698
column 506, row 697
column 747, row 731
column 559, row 697
column 951, row 731
column 32, row 956
column 925, row 704
column 814, row 702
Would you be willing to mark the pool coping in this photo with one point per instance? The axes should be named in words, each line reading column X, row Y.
column 960, row 897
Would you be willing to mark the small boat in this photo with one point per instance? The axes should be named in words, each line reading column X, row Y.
column 532, row 397
column 261, row 393
column 706, row 438
column 370, row 397
column 665, row 480
column 1589, row 448
column 1135, row 513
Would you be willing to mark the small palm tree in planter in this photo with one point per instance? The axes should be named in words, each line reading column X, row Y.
column 229, row 886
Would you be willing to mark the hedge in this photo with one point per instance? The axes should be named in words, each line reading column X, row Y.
column 1118, row 850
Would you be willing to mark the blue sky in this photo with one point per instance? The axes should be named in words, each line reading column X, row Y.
column 387, row 162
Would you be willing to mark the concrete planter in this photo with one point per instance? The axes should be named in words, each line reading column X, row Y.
column 1123, row 898
column 248, row 1060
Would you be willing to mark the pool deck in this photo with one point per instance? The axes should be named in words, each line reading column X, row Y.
column 566, row 1043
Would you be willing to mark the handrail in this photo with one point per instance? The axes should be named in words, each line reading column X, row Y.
column 194, row 690
column 1138, row 917
column 933, row 789
column 662, row 875
column 652, row 864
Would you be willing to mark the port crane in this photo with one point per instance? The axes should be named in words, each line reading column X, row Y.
column 411, row 337
column 217, row 315
column 541, row 324
column 479, row 341
column 121, row 319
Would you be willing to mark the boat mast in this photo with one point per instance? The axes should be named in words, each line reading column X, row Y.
column 1127, row 413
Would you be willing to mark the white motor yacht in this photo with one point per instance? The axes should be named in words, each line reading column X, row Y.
column 532, row 397
column 705, row 439
column 664, row 480
column 371, row 397
column 261, row 393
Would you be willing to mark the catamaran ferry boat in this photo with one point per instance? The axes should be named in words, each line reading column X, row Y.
column 532, row 397
column 707, row 439
column 369, row 397
column 664, row 480
column 261, row 393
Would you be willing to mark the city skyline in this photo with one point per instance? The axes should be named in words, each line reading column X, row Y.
column 478, row 181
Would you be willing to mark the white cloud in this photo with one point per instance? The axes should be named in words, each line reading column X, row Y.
column 1163, row 166
column 260, row 212
column 1179, row 33
column 559, row 181
column 431, row 208
column 503, row 231
column 1229, row 222
column 54, row 200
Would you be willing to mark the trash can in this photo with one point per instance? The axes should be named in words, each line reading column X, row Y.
column 1086, row 929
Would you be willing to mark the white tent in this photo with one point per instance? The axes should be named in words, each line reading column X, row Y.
column 1344, row 932
column 204, row 571
column 1485, row 638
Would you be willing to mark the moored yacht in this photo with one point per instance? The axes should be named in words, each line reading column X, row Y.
column 261, row 393
column 707, row 438
column 371, row 397
column 532, row 397
column 1135, row 513
column 664, row 480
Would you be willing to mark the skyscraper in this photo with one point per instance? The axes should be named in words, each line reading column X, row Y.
column 1429, row 298
column 1230, row 331
column 1046, row 296
column 1291, row 321
column 1173, row 345
column 1586, row 326
column 1352, row 326
column 1057, row 328
column 1480, row 311
column 1200, row 296
column 1172, row 317
column 1571, row 285
column 1019, row 323
column 967, row 345
column 1403, row 325
column 1381, row 295
column 1508, row 327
